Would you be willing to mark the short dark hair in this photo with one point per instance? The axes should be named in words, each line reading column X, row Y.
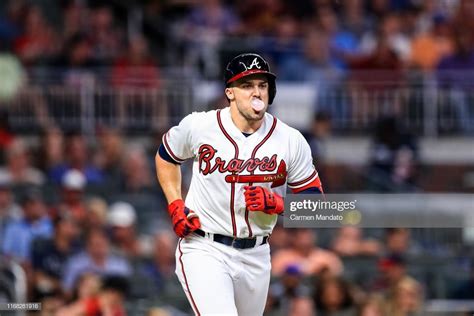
column 116, row 283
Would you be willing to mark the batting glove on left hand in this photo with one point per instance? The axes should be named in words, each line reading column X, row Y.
column 262, row 199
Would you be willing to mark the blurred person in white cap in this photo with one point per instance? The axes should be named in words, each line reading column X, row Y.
column 122, row 218
column 73, row 184
column 78, row 156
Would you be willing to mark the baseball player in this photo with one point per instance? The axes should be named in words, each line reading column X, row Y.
column 243, row 161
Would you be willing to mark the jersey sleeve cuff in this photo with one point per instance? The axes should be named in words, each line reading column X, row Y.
column 169, row 151
column 303, row 183
column 314, row 186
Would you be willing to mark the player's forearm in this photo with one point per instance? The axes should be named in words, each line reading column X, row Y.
column 169, row 177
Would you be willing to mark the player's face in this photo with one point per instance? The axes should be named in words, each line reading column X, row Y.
column 247, row 89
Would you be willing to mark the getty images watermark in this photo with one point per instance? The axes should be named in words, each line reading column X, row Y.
column 379, row 210
column 322, row 210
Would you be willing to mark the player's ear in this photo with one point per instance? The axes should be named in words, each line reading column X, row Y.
column 229, row 93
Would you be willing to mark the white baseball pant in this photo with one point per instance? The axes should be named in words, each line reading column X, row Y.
column 221, row 280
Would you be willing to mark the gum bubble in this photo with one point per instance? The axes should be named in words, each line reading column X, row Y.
column 258, row 104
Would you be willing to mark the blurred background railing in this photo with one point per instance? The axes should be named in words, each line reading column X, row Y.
column 91, row 98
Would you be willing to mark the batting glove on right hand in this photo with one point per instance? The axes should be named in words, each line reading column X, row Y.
column 184, row 220
column 261, row 199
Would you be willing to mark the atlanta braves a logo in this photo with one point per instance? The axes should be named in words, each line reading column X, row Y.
column 253, row 64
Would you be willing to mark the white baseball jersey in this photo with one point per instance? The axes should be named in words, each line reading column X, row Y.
column 225, row 160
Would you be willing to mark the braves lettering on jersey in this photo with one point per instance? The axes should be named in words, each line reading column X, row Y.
column 225, row 160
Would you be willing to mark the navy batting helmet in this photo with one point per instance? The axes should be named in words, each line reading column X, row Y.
column 249, row 64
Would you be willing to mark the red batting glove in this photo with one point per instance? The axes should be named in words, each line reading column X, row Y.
column 263, row 200
column 184, row 220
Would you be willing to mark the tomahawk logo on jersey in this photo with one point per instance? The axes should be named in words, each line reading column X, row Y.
column 226, row 160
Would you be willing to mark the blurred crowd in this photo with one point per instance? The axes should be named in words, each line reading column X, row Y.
column 87, row 222
column 83, row 214
column 316, row 36
column 363, row 57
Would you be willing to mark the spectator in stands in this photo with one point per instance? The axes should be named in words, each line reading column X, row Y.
column 451, row 74
column 427, row 49
column 71, row 198
column 392, row 269
column 9, row 210
column 136, row 69
column 317, row 136
column 378, row 71
column 19, row 171
column 38, row 43
column 374, row 75
column 10, row 24
column 394, row 158
column 285, row 45
column 51, row 303
column 341, row 43
column 398, row 241
column 333, row 297
column 49, row 256
column 136, row 171
column 259, row 17
column 301, row 306
column 462, row 58
column 78, row 157
column 106, row 38
column 280, row 238
column 137, row 73
column 305, row 254
column 122, row 220
column 207, row 24
column 353, row 19
column 388, row 32
column 97, row 209
column 19, row 234
column 96, row 258
column 372, row 306
column 75, row 19
column 313, row 65
column 109, row 157
column 87, row 286
column 405, row 299
column 160, row 270
column 77, row 62
column 349, row 242
column 284, row 291
column 50, row 151
column 110, row 300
